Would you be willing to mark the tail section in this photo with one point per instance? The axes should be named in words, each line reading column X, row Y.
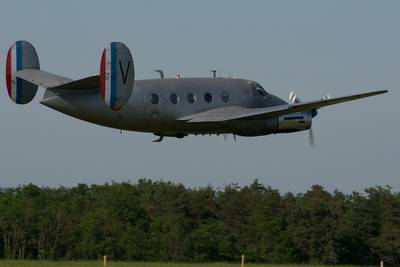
column 21, row 55
column 116, row 79
column 117, row 75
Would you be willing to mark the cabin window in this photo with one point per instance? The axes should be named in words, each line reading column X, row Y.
column 225, row 97
column 154, row 99
column 174, row 98
column 208, row 97
column 191, row 98
column 258, row 90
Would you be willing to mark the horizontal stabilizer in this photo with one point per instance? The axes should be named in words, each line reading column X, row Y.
column 42, row 78
column 57, row 82
column 92, row 82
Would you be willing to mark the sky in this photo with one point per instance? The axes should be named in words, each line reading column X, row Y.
column 309, row 47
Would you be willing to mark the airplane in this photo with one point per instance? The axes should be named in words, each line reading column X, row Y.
column 166, row 107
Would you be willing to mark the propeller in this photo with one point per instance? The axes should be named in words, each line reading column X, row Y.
column 294, row 99
column 311, row 138
column 326, row 97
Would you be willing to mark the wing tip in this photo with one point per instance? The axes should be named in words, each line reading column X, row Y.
column 378, row 92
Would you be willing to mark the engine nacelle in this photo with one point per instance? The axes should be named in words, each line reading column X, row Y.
column 294, row 122
column 117, row 75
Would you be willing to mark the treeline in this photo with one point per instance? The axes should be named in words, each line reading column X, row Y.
column 163, row 221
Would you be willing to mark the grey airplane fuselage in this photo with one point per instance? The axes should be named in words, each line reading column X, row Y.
column 155, row 105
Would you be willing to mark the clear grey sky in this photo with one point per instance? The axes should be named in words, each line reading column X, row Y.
column 310, row 47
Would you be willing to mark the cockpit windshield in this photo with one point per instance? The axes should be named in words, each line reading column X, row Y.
column 258, row 90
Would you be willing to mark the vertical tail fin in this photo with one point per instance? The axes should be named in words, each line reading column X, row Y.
column 21, row 55
column 117, row 75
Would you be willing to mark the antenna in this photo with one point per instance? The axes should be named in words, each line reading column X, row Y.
column 160, row 72
column 214, row 72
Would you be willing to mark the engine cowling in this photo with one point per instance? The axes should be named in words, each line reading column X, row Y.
column 117, row 75
column 294, row 122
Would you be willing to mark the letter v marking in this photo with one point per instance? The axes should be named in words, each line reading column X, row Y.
column 124, row 75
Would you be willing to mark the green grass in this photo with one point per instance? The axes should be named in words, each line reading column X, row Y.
column 16, row 263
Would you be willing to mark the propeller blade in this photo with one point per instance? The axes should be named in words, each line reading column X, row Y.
column 293, row 98
column 311, row 138
column 326, row 97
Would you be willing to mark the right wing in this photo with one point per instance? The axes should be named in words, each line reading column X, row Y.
column 237, row 112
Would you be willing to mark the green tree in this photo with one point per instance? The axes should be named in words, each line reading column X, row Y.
column 212, row 241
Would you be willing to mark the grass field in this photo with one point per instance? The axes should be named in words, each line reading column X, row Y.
column 16, row 263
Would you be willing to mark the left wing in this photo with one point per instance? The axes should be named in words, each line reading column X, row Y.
column 237, row 112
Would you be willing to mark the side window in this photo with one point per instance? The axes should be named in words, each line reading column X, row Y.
column 208, row 97
column 154, row 99
column 225, row 97
column 258, row 90
column 261, row 93
column 174, row 98
column 191, row 98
